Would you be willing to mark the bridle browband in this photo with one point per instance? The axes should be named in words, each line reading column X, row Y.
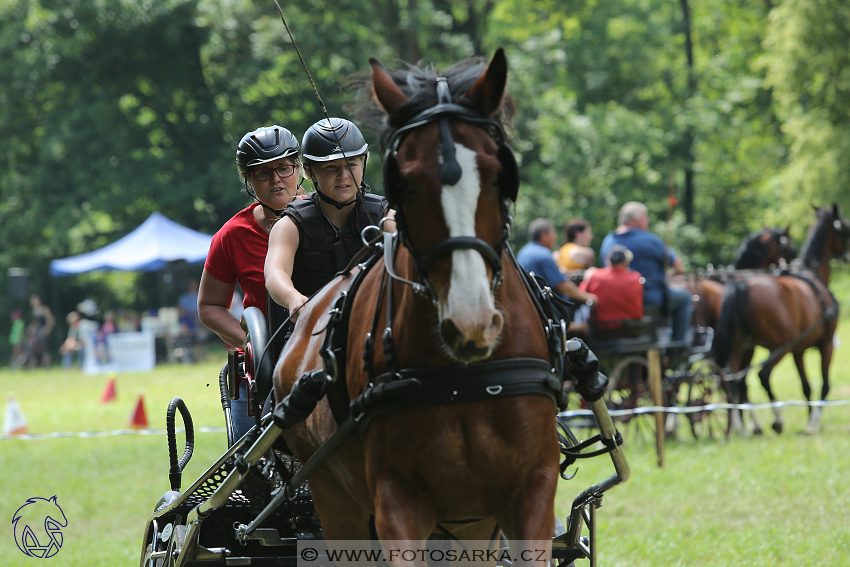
column 450, row 173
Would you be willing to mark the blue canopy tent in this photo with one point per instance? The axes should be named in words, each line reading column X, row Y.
column 150, row 247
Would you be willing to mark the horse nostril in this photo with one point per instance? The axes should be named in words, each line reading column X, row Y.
column 495, row 328
column 449, row 331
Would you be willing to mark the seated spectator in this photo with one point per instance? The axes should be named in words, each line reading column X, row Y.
column 576, row 254
column 652, row 258
column 536, row 256
column 620, row 290
column 72, row 349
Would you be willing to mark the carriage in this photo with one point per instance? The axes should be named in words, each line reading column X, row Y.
column 416, row 409
column 731, row 311
column 246, row 509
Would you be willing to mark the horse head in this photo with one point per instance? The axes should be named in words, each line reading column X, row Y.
column 449, row 174
column 765, row 248
column 841, row 233
column 784, row 246
column 828, row 238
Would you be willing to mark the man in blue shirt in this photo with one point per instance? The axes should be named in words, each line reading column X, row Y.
column 536, row 256
column 652, row 258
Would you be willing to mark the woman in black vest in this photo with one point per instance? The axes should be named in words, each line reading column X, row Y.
column 317, row 236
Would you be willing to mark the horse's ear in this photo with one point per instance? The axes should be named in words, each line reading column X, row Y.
column 386, row 92
column 487, row 92
column 835, row 210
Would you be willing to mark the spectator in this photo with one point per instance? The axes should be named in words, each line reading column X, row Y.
column 193, row 334
column 73, row 346
column 39, row 332
column 108, row 327
column 188, row 303
column 652, row 259
column 16, row 336
column 576, row 254
column 619, row 289
column 269, row 169
column 536, row 256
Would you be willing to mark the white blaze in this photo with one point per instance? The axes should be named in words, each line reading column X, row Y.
column 469, row 287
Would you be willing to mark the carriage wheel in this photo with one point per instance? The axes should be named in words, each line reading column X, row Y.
column 167, row 541
column 628, row 389
column 706, row 386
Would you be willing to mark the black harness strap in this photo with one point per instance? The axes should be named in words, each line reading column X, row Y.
column 446, row 385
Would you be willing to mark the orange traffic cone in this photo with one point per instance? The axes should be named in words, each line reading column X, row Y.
column 14, row 422
column 109, row 391
column 139, row 420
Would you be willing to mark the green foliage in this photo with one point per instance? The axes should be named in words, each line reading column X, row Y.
column 113, row 109
column 809, row 70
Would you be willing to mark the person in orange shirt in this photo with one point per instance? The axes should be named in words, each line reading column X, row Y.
column 576, row 254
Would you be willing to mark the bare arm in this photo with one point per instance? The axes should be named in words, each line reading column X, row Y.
column 283, row 243
column 214, row 297
column 572, row 291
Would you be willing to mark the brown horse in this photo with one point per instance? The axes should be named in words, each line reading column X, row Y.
column 785, row 313
column 762, row 250
column 765, row 249
column 447, row 303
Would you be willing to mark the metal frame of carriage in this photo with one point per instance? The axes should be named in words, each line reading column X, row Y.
column 645, row 368
column 240, row 511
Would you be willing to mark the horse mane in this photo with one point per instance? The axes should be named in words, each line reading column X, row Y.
column 419, row 83
column 816, row 239
column 750, row 253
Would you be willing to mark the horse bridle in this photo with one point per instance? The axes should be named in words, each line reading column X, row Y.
column 450, row 173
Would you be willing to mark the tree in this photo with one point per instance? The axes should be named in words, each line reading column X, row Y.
column 808, row 68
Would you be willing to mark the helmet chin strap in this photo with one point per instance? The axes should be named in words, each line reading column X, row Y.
column 278, row 212
column 338, row 204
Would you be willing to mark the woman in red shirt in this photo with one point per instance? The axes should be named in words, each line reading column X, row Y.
column 270, row 168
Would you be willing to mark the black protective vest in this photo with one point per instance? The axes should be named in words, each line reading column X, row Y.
column 322, row 250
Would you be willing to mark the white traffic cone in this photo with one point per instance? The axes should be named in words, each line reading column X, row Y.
column 14, row 422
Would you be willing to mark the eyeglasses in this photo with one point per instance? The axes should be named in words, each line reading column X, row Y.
column 282, row 171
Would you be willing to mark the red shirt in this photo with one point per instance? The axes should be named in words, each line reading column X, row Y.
column 238, row 254
column 620, row 293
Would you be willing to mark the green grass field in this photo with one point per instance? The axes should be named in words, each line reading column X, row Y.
column 769, row 500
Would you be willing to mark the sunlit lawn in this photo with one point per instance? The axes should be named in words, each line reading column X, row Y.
column 769, row 500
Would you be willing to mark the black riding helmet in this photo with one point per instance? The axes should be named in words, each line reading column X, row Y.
column 330, row 139
column 262, row 146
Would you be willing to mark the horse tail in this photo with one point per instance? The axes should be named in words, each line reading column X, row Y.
column 731, row 321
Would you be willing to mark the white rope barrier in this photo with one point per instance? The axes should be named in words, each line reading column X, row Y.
column 709, row 407
column 86, row 434
column 568, row 413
